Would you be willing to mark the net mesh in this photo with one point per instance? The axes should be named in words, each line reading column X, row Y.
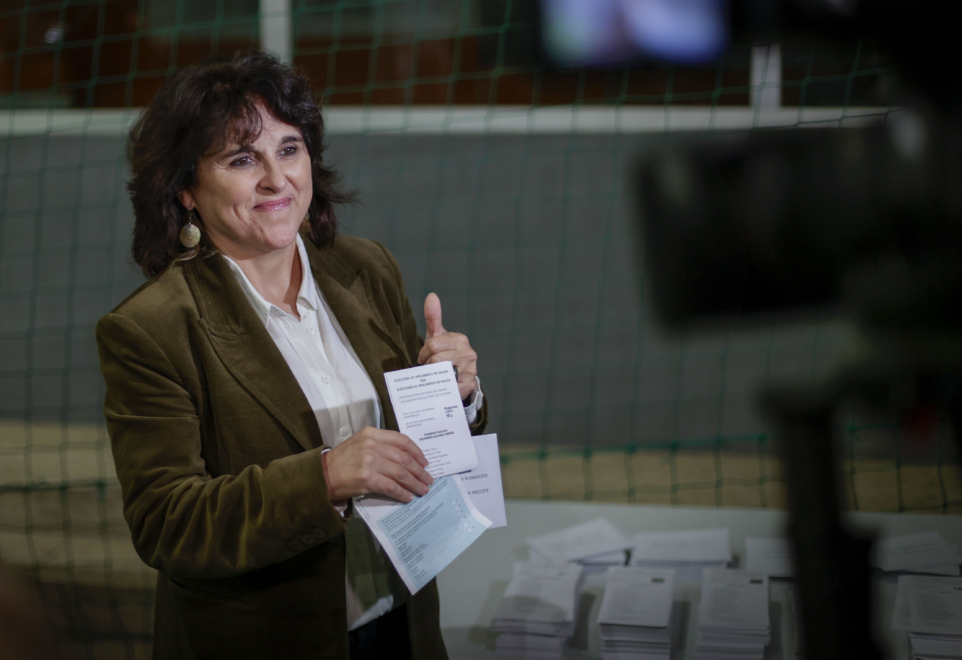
column 499, row 182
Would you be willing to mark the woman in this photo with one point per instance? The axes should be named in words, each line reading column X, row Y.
column 246, row 403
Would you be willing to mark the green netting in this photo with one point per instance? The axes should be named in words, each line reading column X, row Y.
column 498, row 181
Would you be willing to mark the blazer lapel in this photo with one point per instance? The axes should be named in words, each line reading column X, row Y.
column 242, row 343
column 348, row 292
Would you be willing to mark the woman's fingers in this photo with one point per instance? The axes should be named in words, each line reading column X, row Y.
column 406, row 470
column 466, row 364
column 449, row 341
column 443, row 346
column 377, row 461
column 432, row 315
column 406, row 445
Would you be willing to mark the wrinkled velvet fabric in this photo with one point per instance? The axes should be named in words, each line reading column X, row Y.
column 219, row 457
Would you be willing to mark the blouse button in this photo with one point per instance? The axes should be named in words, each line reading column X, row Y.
column 310, row 331
column 325, row 379
column 345, row 432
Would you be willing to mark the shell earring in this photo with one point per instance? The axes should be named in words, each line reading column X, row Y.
column 189, row 233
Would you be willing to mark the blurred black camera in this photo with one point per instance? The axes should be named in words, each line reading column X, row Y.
column 865, row 219
column 869, row 219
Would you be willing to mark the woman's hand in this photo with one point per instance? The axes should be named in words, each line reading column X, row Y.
column 443, row 346
column 376, row 461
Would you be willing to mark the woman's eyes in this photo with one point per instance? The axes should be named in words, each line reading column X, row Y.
column 244, row 161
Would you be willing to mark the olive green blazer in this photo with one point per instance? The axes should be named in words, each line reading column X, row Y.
column 219, row 457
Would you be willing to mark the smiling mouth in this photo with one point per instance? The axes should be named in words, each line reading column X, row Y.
column 274, row 205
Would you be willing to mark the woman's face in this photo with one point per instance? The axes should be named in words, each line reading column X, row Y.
column 252, row 198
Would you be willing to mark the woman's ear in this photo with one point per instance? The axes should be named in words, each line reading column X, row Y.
column 186, row 199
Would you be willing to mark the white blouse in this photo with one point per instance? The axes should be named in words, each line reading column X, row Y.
column 333, row 380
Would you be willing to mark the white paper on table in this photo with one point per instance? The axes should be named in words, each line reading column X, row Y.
column 934, row 647
column 734, row 600
column 703, row 545
column 797, row 619
column 901, row 618
column 536, row 555
column 602, row 561
column 426, row 534
column 770, row 556
column 530, row 644
column 541, row 592
column 428, row 409
column 637, row 597
column 595, row 537
column 682, row 569
column 934, row 604
column 914, row 551
column 950, row 570
column 616, row 558
column 483, row 483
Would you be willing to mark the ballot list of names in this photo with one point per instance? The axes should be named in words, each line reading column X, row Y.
column 929, row 610
column 636, row 613
column 733, row 615
column 425, row 535
column 428, row 409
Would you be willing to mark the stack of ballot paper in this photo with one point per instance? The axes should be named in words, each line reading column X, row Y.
column 797, row 620
column 929, row 609
column 636, row 614
column 687, row 552
column 733, row 619
column 773, row 557
column 927, row 552
column 536, row 617
column 597, row 543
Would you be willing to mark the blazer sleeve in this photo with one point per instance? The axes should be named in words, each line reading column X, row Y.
column 409, row 330
column 183, row 520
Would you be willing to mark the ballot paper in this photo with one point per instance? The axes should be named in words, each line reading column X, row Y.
column 636, row 614
column 428, row 408
column 688, row 552
column 592, row 563
column 773, row 557
column 929, row 609
column 797, row 620
column 927, row 552
column 426, row 534
column 901, row 620
column 483, row 484
column 934, row 647
column 601, row 563
column 636, row 597
column 733, row 618
column 928, row 604
column 537, row 613
column 595, row 538
column 734, row 600
column 530, row 646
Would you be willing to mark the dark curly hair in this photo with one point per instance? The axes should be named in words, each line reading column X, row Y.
column 199, row 110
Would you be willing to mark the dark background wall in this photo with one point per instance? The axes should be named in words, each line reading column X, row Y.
column 530, row 240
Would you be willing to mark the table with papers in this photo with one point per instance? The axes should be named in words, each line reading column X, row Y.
column 473, row 585
column 929, row 609
column 539, row 607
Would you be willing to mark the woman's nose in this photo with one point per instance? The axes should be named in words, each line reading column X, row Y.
column 273, row 179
